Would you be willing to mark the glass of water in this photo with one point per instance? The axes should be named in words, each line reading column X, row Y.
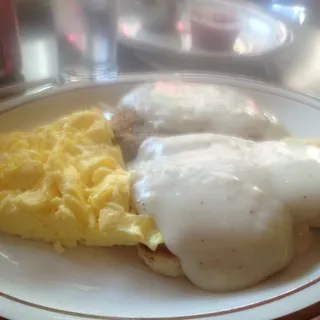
column 86, row 33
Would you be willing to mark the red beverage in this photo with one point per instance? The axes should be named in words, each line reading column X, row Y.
column 214, row 28
column 10, row 57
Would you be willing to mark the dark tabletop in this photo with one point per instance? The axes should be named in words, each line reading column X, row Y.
column 298, row 70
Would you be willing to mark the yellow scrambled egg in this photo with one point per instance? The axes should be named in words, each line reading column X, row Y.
column 65, row 183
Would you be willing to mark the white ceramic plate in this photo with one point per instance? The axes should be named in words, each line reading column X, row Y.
column 37, row 283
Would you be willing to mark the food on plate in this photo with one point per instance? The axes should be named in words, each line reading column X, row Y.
column 231, row 211
column 66, row 183
column 194, row 174
column 182, row 107
column 314, row 223
column 170, row 108
column 161, row 260
column 129, row 132
column 165, row 262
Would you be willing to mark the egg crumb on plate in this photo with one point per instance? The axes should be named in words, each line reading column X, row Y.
column 66, row 183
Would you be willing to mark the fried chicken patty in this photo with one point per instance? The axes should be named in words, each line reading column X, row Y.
column 129, row 132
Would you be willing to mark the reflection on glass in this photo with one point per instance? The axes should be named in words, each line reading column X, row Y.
column 86, row 35
column 293, row 12
column 130, row 28
column 44, row 49
column 205, row 27
column 304, row 75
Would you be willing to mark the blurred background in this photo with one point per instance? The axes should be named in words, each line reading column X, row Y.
column 277, row 41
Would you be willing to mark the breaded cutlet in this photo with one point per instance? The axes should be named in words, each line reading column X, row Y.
column 164, row 262
column 125, row 125
column 130, row 131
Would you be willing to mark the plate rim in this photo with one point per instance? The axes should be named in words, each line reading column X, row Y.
column 242, row 82
column 131, row 78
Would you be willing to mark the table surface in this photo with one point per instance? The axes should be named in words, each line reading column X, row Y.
column 299, row 70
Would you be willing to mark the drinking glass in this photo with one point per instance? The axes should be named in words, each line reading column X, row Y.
column 86, row 32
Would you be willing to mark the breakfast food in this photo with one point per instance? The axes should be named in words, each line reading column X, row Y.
column 182, row 170
column 164, row 262
column 227, row 207
column 314, row 223
column 182, row 107
column 129, row 132
column 174, row 108
column 171, row 108
column 66, row 183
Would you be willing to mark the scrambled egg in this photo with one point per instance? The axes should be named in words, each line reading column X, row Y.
column 65, row 183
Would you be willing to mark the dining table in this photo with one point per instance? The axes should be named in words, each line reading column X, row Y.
column 297, row 70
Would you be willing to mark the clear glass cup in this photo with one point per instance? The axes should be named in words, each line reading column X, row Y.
column 86, row 32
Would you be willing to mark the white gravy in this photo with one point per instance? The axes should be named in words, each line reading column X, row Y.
column 230, row 209
column 178, row 107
